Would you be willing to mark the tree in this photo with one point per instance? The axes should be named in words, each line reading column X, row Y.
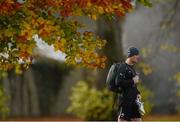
column 52, row 20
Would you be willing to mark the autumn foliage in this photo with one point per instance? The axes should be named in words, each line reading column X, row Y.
column 52, row 20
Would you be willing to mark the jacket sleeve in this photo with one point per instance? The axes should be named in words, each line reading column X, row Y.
column 121, row 79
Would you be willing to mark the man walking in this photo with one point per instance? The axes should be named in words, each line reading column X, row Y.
column 128, row 78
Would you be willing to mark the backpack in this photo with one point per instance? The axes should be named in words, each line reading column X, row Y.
column 111, row 77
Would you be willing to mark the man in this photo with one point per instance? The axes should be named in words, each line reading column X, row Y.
column 127, row 79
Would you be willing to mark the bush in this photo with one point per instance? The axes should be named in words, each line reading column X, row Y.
column 147, row 97
column 4, row 110
column 90, row 103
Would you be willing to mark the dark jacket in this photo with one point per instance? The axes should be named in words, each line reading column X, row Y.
column 125, row 80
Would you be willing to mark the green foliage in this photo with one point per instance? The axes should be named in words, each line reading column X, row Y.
column 3, row 74
column 146, row 51
column 92, row 104
column 147, row 96
column 145, row 3
column 146, row 68
column 177, row 77
column 4, row 110
column 170, row 48
column 89, row 103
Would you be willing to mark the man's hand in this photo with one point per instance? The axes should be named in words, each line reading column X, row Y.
column 136, row 79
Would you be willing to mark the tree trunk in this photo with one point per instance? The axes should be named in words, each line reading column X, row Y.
column 112, row 32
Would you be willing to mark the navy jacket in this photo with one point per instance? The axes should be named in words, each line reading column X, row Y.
column 125, row 81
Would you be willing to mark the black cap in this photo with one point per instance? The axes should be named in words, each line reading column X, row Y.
column 132, row 51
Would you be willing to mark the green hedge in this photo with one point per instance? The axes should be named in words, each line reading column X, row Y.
column 4, row 110
column 88, row 103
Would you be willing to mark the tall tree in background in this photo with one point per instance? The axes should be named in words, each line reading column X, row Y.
column 111, row 31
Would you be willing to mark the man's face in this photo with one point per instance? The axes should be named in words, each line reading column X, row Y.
column 135, row 58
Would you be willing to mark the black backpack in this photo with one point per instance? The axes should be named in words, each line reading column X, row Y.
column 111, row 77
